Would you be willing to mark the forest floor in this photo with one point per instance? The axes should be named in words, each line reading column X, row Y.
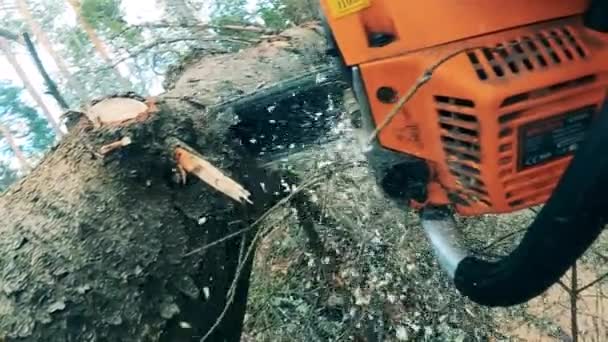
column 379, row 280
column 372, row 276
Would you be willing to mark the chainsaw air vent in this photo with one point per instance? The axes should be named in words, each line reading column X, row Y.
column 525, row 190
column 460, row 140
column 547, row 47
column 550, row 90
column 455, row 101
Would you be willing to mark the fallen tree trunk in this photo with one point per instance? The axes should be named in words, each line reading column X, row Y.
column 102, row 241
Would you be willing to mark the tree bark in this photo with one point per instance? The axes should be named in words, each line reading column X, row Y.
column 44, row 40
column 101, row 242
column 4, row 46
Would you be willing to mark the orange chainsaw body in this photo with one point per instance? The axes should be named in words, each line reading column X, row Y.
column 496, row 124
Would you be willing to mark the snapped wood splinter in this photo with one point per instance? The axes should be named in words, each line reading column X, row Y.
column 105, row 149
column 191, row 162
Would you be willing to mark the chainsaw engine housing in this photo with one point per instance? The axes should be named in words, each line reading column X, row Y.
column 498, row 123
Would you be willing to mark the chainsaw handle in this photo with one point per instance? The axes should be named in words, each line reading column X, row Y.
column 564, row 229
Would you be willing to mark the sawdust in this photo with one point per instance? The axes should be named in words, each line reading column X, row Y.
column 386, row 284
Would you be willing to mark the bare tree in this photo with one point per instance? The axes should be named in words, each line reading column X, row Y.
column 6, row 134
column 6, row 50
column 44, row 40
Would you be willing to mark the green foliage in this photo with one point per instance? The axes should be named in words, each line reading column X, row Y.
column 48, row 12
column 77, row 44
column 103, row 14
column 25, row 122
column 230, row 12
column 271, row 12
column 279, row 14
column 7, row 175
column 107, row 17
column 30, row 130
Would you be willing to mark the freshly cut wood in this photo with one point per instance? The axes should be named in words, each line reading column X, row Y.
column 117, row 110
column 99, row 247
column 105, row 149
column 189, row 161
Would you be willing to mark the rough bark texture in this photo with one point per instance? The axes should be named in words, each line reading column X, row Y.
column 93, row 248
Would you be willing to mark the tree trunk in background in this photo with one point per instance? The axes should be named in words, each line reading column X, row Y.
column 50, row 84
column 44, row 40
column 180, row 10
column 6, row 134
column 6, row 50
column 96, row 243
column 99, row 45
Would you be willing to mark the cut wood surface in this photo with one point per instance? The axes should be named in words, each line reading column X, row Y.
column 94, row 246
column 117, row 110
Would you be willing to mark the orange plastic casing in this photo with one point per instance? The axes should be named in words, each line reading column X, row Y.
column 532, row 67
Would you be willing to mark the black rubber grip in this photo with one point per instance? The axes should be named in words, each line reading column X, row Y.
column 596, row 17
column 564, row 229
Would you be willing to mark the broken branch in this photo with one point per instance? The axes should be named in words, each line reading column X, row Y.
column 248, row 28
column 106, row 149
column 190, row 161
column 9, row 35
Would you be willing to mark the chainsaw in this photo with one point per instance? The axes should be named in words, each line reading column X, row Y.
column 484, row 107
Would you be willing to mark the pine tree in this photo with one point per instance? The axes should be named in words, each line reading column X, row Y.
column 100, row 46
column 7, row 175
column 179, row 11
column 279, row 14
column 230, row 12
column 24, row 122
column 43, row 39
column 11, row 142
column 12, row 59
